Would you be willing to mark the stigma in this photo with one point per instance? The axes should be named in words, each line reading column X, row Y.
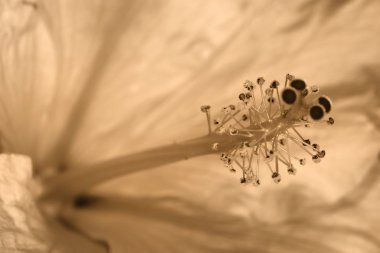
column 263, row 128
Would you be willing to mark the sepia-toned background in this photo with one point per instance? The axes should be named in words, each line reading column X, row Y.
column 86, row 81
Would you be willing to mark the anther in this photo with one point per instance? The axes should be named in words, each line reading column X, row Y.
column 289, row 77
column 226, row 110
column 321, row 154
column 276, row 177
column 330, row 121
column 269, row 157
column 249, row 85
column 305, row 92
column 260, row 81
column 314, row 89
column 274, row 84
column 292, row 170
column 282, row 141
column 316, row 159
column 206, row 109
column 242, row 96
column 248, row 95
column 303, row 161
column 315, row 146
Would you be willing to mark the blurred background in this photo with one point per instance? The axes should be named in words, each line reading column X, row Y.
column 88, row 81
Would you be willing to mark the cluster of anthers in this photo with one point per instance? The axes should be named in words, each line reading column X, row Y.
column 264, row 123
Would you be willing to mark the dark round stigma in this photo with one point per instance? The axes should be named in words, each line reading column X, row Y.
column 298, row 84
column 316, row 112
column 289, row 96
column 325, row 102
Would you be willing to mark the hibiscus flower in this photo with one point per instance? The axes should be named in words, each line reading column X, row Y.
column 85, row 85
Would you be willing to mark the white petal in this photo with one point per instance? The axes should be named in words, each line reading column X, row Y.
column 22, row 226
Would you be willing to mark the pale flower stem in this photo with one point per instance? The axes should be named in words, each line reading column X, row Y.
column 76, row 181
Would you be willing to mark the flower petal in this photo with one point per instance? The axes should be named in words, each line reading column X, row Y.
column 23, row 227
